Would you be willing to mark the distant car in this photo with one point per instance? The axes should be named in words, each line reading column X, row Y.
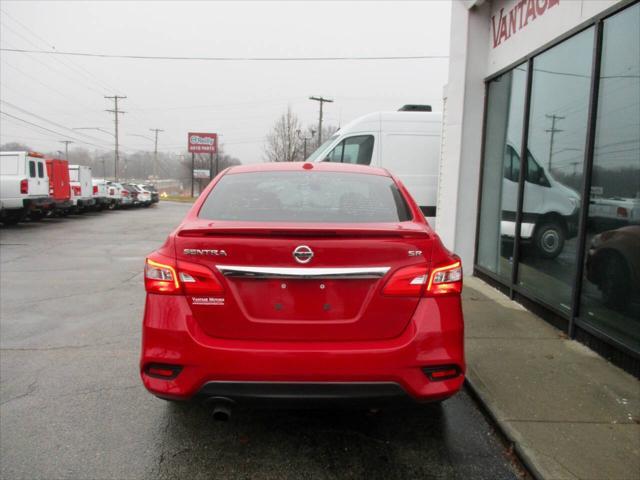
column 132, row 194
column 613, row 212
column 155, row 197
column 114, row 194
column 144, row 195
column 303, row 282
column 613, row 264
column 24, row 187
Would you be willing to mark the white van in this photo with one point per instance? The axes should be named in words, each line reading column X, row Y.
column 549, row 211
column 24, row 186
column 81, row 187
column 407, row 143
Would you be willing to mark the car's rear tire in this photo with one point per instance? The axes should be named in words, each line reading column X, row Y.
column 111, row 206
column 615, row 285
column 549, row 238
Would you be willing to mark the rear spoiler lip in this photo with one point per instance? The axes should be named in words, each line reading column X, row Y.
column 305, row 232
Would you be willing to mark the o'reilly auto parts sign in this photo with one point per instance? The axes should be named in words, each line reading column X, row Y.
column 203, row 142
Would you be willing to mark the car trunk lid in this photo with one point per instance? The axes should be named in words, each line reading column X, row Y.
column 302, row 282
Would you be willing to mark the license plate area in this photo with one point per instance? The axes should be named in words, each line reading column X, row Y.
column 303, row 300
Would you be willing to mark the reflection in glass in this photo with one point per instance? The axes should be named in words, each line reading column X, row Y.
column 557, row 132
column 611, row 288
column 503, row 133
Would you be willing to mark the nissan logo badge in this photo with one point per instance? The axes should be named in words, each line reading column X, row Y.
column 303, row 254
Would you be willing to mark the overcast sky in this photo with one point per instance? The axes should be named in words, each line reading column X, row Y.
column 239, row 100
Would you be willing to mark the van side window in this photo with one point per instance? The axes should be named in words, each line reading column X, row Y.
column 511, row 164
column 535, row 173
column 40, row 170
column 32, row 168
column 357, row 150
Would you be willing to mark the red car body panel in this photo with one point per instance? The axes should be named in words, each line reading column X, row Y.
column 59, row 186
column 302, row 329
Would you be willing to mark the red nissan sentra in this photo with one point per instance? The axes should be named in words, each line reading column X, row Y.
column 300, row 281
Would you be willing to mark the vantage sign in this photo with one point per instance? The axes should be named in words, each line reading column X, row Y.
column 506, row 24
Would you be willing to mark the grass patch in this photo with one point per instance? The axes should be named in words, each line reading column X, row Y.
column 178, row 198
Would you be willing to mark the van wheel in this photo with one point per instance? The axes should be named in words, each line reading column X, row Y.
column 549, row 239
column 111, row 206
column 614, row 282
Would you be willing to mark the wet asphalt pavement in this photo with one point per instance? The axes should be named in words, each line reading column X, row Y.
column 72, row 404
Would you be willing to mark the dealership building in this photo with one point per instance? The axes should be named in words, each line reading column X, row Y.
column 558, row 227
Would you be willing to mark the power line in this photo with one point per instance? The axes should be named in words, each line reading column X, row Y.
column 69, row 63
column 225, row 59
column 20, row 109
column 48, row 129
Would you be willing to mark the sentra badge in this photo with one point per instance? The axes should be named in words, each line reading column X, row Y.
column 205, row 251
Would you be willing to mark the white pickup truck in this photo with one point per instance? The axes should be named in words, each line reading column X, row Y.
column 24, row 186
column 81, row 187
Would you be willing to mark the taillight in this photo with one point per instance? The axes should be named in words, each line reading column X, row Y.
column 622, row 212
column 445, row 280
column 112, row 191
column 77, row 191
column 407, row 282
column 162, row 276
column 125, row 193
column 24, row 185
column 198, row 279
column 95, row 189
column 417, row 280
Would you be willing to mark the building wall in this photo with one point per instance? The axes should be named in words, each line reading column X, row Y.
column 485, row 38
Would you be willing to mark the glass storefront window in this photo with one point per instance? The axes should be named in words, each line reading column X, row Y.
column 610, row 298
column 555, row 156
column 505, row 113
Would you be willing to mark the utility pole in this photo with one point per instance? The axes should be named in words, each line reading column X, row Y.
column 155, row 155
column 553, row 130
column 304, row 139
column 322, row 100
column 116, row 112
column 66, row 148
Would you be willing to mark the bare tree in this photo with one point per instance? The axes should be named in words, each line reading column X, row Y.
column 14, row 147
column 283, row 143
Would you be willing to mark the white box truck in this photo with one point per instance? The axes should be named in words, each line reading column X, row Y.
column 81, row 187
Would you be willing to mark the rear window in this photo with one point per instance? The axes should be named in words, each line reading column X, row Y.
column 40, row 170
column 32, row 169
column 317, row 197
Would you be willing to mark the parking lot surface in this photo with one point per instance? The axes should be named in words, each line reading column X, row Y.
column 73, row 406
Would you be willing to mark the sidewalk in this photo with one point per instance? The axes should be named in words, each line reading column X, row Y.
column 569, row 413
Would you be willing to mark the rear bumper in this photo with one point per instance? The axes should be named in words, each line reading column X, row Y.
column 249, row 371
column 283, row 394
column 83, row 202
column 38, row 203
column 63, row 204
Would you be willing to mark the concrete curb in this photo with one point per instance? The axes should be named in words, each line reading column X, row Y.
column 489, row 409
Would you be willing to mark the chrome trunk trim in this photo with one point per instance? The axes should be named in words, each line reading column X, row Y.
column 302, row 272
